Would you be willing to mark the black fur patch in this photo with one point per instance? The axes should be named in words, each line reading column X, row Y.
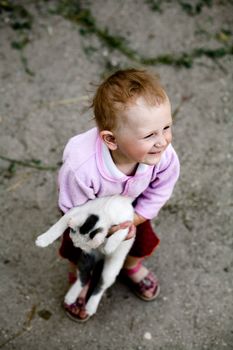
column 88, row 224
column 98, row 286
column 86, row 264
column 96, row 278
column 93, row 233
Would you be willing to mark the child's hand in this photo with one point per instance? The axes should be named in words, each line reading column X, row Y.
column 125, row 224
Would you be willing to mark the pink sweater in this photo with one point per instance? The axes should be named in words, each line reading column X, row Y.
column 88, row 171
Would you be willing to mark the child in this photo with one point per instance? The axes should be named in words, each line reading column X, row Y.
column 129, row 153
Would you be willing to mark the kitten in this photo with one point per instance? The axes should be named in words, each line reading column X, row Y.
column 89, row 226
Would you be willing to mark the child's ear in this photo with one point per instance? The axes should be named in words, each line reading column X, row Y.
column 109, row 139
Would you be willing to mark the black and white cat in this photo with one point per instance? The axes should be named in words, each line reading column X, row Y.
column 89, row 226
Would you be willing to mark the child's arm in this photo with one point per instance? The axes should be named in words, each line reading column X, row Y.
column 73, row 191
column 138, row 219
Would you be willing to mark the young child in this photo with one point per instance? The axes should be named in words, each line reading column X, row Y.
column 128, row 153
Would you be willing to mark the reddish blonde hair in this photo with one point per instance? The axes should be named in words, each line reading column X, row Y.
column 120, row 90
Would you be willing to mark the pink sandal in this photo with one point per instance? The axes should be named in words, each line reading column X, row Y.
column 72, row 311
column 147, row 283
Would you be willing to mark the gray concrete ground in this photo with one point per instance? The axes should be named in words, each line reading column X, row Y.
column 44, row 88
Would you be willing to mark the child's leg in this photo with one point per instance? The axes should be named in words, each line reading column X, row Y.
column 68, row 251
column 72, row 274
column 145, row 283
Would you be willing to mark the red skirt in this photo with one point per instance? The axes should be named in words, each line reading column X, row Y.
column 145, row 242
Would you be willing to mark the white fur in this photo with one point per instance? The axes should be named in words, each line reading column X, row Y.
column 111, row 211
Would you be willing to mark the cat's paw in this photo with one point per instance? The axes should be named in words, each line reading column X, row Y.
column 91, row 307
column 42, row 241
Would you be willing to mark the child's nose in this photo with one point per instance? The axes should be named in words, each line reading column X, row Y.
column 160, row 141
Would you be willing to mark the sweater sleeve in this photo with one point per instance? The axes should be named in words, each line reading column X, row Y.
column 161, row 187
column 73, row 190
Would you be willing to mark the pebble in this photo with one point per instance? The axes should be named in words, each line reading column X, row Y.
column 50, row 30
column 225, row 98
column 147, row 336
column 114, row 62
column 105, row 53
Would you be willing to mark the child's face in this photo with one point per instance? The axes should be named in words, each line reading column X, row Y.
column 143, row 134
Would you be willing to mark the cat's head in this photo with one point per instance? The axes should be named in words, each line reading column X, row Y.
column 88, row 235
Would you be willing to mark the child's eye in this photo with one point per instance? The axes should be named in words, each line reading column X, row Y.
column 167, row 127
column 148, row 136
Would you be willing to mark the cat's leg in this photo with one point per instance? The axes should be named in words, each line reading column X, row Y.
column 74, row 292
column 75, row 299
column 114, row 241
column 111, row 269
column 56, row 230
column 85, row 266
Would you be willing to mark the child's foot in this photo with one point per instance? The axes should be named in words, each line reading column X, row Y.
column 143, row 282
column 76, row 311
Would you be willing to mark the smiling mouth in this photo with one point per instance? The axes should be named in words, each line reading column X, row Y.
column 158, row 152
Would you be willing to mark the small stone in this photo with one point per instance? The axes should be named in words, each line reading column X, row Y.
column 50, row 30
column 105, row 53
column 147, row 336
column 114, row 62
column 225, row 98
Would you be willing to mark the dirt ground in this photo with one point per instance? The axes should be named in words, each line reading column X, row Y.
column 50, row 61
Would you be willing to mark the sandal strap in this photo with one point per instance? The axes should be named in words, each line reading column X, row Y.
column 148, row 282
column 132, row 270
